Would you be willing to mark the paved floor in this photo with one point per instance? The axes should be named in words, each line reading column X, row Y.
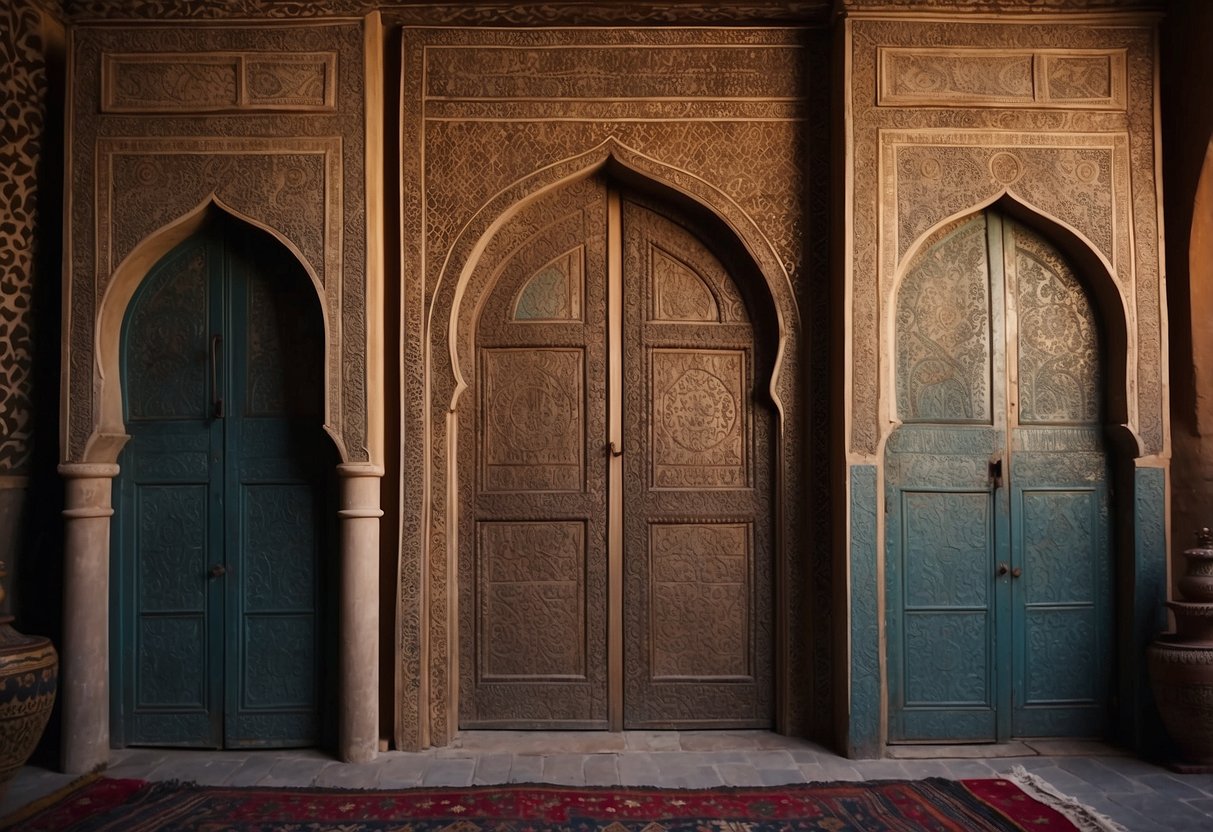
column 1140, row 796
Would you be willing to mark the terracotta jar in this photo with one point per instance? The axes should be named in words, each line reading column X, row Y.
column 1181, row 663
column 29, row 673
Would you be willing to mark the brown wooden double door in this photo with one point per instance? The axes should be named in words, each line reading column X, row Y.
column 615, row 563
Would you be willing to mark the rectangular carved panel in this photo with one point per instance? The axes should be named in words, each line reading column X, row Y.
column 531, row 610
column 204, row 82
column 699, row 406
column 969, row 77
column 533, row 419
column 699, row 608
column 611, row 72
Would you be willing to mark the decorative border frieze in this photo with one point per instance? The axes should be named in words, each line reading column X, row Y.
column 218, row 82
column 974, row 77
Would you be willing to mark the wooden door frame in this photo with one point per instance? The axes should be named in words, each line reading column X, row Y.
column 428, row 694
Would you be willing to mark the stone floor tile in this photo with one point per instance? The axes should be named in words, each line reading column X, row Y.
column 295, row 772
column 769, row 759
column 780, row 776
column 208, row 771
column 880, row 769
column 492, row 769
column 350, row 776
column 526, row 768
column 638, row 769
column 921, row 769
column 652, row 741
column 564, row 769
column 450, row 771
column 1166, row 783
column 700, row 777
column 837, row 769
column 720, row 740
column 400, row 770
column 253, row 770
column 804, row 756
column 738, row 774
column 600, row 770
column 968, row 769
column 1166, row 811
column 30, row 784
column 1063, row 780
column 1097, row 774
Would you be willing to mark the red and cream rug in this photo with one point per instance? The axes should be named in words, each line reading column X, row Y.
column 998, row 805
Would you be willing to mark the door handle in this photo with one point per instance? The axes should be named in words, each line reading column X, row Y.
column 216, row 394
column 1016, row 572
column 996, row 471
column 614, row 449
column 218, row 570
column 1003, row 569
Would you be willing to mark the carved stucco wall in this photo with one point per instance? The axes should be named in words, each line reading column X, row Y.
column 949, row 116
column 23, row 87
column 488, row 125
column 267, row 123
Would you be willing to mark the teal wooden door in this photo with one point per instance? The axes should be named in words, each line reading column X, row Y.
column 221, row 519
column 998, row 551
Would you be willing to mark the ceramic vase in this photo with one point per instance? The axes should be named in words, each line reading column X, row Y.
column 29, row 674
column 1181, row 663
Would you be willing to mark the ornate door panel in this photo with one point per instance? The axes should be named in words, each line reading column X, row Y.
column 220, row 517
column 998, row 555
column 696, row 500
column 533, row 599
column 615, row 566
column 1061, row 538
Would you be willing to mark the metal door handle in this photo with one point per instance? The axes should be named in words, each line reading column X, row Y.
column 216, row 394
column 1016, row 572
column 996, row 471
column 615, row 450
column 1003, row 569
column 218, row 570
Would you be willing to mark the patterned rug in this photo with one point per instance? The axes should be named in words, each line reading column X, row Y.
column 104, row 805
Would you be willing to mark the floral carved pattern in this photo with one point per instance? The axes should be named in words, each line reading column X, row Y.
column 23, row 90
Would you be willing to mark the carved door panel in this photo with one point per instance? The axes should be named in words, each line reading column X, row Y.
column 533, row 600
column 614, row 555
column 220, row 516
column 696, row 500
column 998, row 562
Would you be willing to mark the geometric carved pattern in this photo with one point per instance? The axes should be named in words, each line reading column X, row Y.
column 533, row 424
column 984, row 77
column 1059, row 366
column 700, row 609
column 699, row 419
column 554, row 292
column 200, row 82
column 679, row 294
column 943, row 330
column 531, row 616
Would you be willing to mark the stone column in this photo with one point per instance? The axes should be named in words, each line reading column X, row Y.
column 358, row 698
column 84, row 685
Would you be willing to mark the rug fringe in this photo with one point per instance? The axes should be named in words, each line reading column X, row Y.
column 1078, row 813
column 34, row 807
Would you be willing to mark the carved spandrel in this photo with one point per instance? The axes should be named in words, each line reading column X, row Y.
column 531, row 618
column 1060, row 372
column 699, row 411
column 943, row 331
column 678, row 293
column 533, row 422
column 554, row 292
column 699, row 610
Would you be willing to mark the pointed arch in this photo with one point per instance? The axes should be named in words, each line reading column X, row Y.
column 1098, row 279
column 702, row 200
column 109, row 433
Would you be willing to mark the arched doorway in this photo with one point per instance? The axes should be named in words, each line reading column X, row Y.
column 221, row 537
column 999, row 557
column 616, row 521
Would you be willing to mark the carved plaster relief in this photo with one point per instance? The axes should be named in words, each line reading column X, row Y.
column 494, row 117
column 157, row 82
column 157, row 156
column 1069, row 153
column 1041, row 78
